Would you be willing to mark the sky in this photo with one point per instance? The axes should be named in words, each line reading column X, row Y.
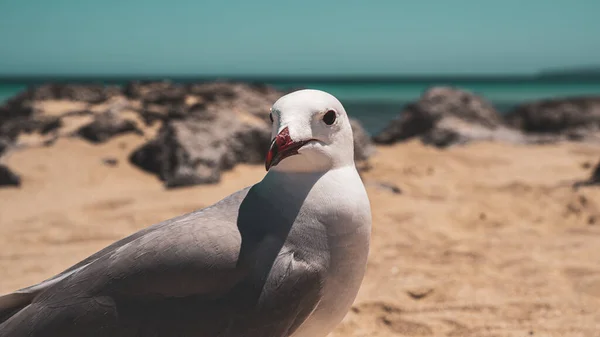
column 315, row 37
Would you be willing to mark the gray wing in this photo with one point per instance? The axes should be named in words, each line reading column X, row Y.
column 212, row 221
column 13, row 302
column 31, row 291
column 228, row 203
column 190, row 264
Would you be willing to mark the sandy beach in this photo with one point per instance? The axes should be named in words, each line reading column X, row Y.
column 486, row 239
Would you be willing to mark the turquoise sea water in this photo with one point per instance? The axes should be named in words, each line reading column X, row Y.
column 374, row 104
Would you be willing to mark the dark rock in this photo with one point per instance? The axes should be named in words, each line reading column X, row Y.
column 363, row 145
column 253, row 99
column 446, row 116
column 594, row 178
column 10, row 129
column 148, row 157
column 151, row 113
column 596, row 174
column 575, row 116
column 88, row 93
column 19, row 105
column 213, row 91
column 454, row 131
column 49, row 124
column 161, row 92
column 4, row 145
column 8, row 177
column 443, row 137
column 18, row 115
column 181, row 112
column 191, row 151
column 93, row 94
column 249, row 144
column 107, row 125
column 411, row 122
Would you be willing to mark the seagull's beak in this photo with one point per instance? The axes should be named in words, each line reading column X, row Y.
column 282, row 147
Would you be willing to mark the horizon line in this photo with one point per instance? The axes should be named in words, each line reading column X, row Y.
column 81, row 78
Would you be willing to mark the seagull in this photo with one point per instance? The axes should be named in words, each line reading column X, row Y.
column 283, row 257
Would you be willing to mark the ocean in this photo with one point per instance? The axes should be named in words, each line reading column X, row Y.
column 376, row 103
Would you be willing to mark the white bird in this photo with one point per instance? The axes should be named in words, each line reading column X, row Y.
column 284, row 257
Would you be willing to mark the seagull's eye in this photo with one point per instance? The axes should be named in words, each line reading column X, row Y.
column 271, row 117
column 329, row 117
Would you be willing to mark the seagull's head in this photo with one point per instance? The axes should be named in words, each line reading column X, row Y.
column 310, row 132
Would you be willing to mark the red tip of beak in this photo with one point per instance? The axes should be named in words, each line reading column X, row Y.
column 282, row 146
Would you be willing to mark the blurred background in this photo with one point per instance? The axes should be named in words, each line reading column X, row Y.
column 476, row 126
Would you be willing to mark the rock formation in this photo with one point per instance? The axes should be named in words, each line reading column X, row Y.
column 592, row 180
column 108, row 124
column 444, row 116
column 575, row 118
column 227, row 124
column 205, row 127
column 8, row 177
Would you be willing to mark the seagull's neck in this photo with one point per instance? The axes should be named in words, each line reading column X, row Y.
column 337, row 192
column 300, row 185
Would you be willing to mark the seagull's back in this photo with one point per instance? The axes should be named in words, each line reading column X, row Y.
column 140, row 285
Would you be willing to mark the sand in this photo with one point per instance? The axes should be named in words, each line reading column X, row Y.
column 484, row 240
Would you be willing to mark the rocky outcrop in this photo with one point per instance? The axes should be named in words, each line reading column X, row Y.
column 13, row 114
column 221, row 125
column 576, row 118
column 87, row 93
column 445, row 116
column 108, row 124
column 22, row 113
column 190, row 152
column 595, row 176
column 228, row 124
column 254, row 99
column 205, row 128
column 161, row 93
column 8, row 177
column 4, row 145
column 10, row 129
